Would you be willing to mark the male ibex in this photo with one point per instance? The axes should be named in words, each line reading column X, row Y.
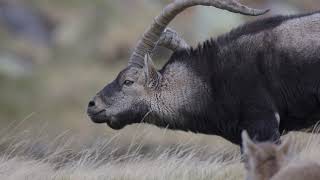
column 250, row 78
column 267, row 161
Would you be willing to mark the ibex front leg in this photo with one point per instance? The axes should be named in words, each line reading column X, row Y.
column 170, row 39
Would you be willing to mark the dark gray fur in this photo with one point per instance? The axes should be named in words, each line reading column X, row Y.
column 252, row 78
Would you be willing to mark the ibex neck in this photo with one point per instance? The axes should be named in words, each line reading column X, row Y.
column 182, row 99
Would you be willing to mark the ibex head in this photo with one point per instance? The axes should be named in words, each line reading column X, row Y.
column 127, row 99
column 137, row 88
column 264, row 160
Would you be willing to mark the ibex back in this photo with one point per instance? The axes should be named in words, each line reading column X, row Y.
column 263, row 76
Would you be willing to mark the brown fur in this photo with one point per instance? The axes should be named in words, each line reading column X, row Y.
column 267, row 161
column 301, row 171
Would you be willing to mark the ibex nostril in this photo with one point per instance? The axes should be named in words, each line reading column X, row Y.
column 91, row 104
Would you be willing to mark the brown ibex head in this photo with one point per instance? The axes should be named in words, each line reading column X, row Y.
column 263, row 160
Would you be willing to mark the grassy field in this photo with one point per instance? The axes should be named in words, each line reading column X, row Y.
column 45, row 132
column 144, row 153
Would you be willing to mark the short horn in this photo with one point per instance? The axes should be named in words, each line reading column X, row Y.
column 151, row 36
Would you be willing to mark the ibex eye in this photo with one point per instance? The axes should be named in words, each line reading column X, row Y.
column 128, row 82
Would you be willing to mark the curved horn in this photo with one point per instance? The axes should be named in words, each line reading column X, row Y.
column 151, row 36
column 170, row 39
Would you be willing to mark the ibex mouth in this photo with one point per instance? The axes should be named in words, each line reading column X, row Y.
column 98, row 119
column 102, row 117
column 97, row 116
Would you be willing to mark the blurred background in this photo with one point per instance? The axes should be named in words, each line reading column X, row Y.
column 56, row 54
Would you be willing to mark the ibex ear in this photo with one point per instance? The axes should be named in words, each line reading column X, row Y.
column 152, row 75
column 249, row 148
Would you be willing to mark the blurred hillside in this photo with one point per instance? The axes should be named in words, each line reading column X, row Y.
column 56, row 54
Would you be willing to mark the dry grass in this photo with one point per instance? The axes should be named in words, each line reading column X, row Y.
column 30, row 155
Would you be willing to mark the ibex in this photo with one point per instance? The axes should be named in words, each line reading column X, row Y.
column 267, row 161
column 263, row 76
